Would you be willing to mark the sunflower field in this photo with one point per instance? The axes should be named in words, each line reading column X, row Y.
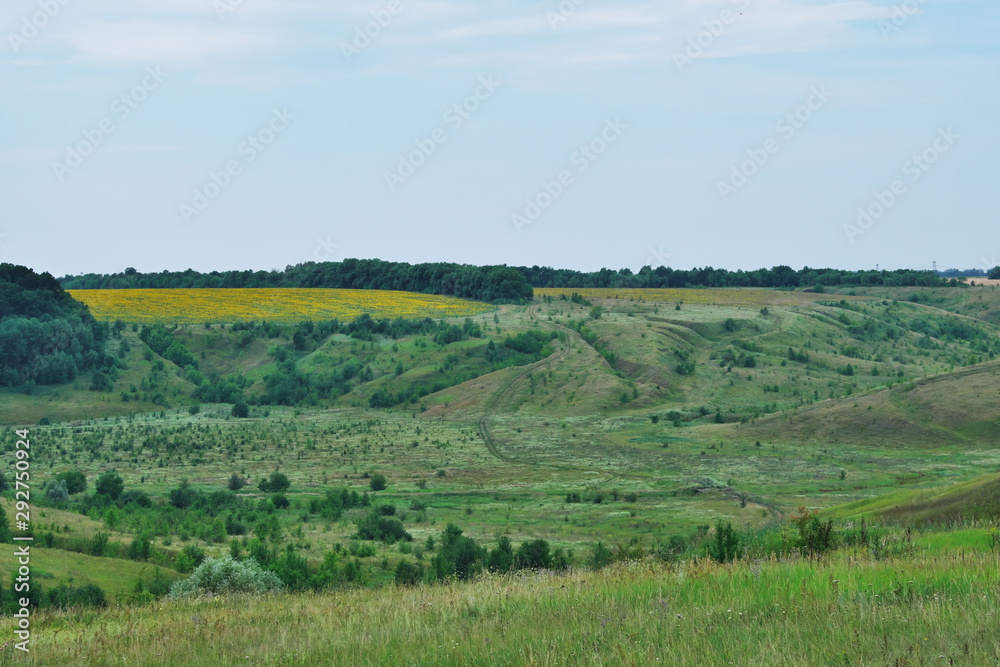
column 194, row 306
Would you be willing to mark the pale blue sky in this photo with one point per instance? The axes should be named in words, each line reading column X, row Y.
column 311, row 132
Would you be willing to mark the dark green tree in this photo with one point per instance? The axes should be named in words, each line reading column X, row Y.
column 76, row 481
column 378, row 482
column 110, row 484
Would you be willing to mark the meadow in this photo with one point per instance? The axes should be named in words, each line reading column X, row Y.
column 848, row 610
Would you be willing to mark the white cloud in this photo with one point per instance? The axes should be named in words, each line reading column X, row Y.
column 145, row 41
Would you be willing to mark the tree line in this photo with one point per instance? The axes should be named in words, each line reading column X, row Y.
column 776, row 277
column 497, row 284
column 493, row 284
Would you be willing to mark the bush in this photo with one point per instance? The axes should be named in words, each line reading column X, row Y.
column 223, row 575
column 725, row 544
column 76, row 481
column 135, row 497
column 64, row 596
column 241, row 410
column 382, row 529
column 501, row 559
column 378, row 482
column 6, row 537
column 280, row 501
column 55, row 490
column 600, row 556
column 110, row 484
column 236, row 482
column 276, row 483
column 815, row 537
column 534, row 555
column 408, row 574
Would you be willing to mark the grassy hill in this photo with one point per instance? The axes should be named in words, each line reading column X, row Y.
column 956, row 409
column 975, row 499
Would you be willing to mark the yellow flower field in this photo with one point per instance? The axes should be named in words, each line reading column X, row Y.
column 195, row 306
column 733, row 296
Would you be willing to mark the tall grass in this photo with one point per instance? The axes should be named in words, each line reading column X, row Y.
column 845, row 610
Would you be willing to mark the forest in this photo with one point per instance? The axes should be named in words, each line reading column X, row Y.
column 46, row 337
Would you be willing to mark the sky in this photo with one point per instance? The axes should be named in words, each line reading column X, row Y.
column 256, row 134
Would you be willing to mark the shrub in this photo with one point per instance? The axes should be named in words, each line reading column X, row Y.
column 725, row 544
column 135, row 497
column 64, row 596
column 55, row 490
column 241, row 410
column 534, row 555
column 382, row 528
column 76, row 481
column 280, row 501
column 223, row 575
column 600, row 556
column 276, row 483
column 673, row 549
column 6, row 537
column 109, row 484
column 408, row 574
column 378, row 482
column 501, row 559
column 236, row 482
column 815, row 537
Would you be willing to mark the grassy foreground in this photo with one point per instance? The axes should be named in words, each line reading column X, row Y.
column 850, row 610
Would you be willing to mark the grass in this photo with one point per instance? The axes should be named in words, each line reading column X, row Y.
column 115, row 577
column 975, row 499
column 846, row 611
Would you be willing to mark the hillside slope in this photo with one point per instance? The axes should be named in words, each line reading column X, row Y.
column 974, row 499
column 954, row 408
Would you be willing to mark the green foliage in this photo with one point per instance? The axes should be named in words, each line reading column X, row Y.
column 378, row 482
column 408, row 574
column 46, row 336
column 66, row 596
column 109, row 484
column 236, row 482
column 501, row 559
column 600, row 556
column 375, row 526
column 534, row 555
column 724, row 545
column 6, row 537
column 240, row 410
column 494, row 284
column 223, row 575
column 459, row 556
column 816, row 537
column 55, row 490
column 277, row 482
column 76, row 481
